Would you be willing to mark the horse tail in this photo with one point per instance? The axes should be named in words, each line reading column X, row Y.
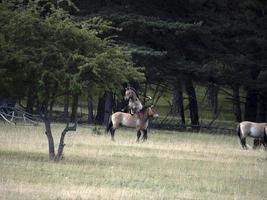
column 265, row 135
column 109, row 125
column 239, row 131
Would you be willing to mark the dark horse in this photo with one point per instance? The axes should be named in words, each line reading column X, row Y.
column 138, row 120
column 252, row 129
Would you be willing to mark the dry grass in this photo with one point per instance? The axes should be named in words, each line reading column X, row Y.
column 171, row 165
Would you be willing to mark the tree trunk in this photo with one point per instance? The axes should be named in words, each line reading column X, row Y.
column 47, row 122
column 48, row 132
column 66, row 100
column 178, row 103
column 46, row 117
column 74, row 108
column 251, row 105
column 30, row 100
column 262, row 108
column 61, row 144
column 237, row 104
column 90, row 107
column 193, row 106
column 66, row 106
column 212, row 96
column 100, row 110
column 53, row 95
column 49, row 135
column 108, row 106
column 174, row 106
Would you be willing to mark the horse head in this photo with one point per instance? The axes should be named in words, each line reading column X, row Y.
column 129, row 93
column 152, row 112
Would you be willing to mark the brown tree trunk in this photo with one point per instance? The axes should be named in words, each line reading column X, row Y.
column 178, row 103
column 90, row 107
column 262, row 108
column 237, row 104
column 212, row 96
column 30, row 100
column 50, row 139
column 251, row 105
column 48, row 132
column 66, row 106
column 100, row 110
column 193, row 106
column 61, row 144
column 74, row 107
column 108, row 106
column 47, row 122
column 66, row 100
column 53, row 97
column 174, row 105
column 46, row 117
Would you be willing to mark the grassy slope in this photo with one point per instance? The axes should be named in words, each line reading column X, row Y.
column 171, row 165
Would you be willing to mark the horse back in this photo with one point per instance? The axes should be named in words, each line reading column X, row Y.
column 124, row 119
column 252, row 128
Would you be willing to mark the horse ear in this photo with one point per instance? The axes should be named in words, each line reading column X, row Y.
column 152, row 106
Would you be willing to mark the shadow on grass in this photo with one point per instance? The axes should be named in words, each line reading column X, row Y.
column 42, row 158
column 24, row 155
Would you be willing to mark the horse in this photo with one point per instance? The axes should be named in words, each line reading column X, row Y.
column 134, row 104
column 256, row 130
column 138, row 120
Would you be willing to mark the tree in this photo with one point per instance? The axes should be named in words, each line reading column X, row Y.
column 64, row 57
column 228, row 33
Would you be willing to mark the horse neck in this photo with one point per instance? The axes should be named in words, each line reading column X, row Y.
column 134, row 97
column 145, row 114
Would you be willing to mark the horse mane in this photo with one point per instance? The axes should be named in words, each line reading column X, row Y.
column 144, row 108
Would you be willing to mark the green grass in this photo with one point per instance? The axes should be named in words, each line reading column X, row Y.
column 170, row 165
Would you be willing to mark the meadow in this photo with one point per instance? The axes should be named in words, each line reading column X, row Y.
column 170, row 165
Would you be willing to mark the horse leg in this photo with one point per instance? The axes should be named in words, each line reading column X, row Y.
column 265, row 141
column 144, row 135
column 241, row 137
column 243, row 143
column 112, row 132
column 138, row 135
column 256, row 143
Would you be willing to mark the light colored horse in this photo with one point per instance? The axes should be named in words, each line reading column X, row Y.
column 138, row 120
column 256, row 130
column 134, row 104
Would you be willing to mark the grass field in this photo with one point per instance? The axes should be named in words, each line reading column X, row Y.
column 170, row 165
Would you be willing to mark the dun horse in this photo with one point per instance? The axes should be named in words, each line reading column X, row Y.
column 138, row 120
column 256, row 130
column 134, row 104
